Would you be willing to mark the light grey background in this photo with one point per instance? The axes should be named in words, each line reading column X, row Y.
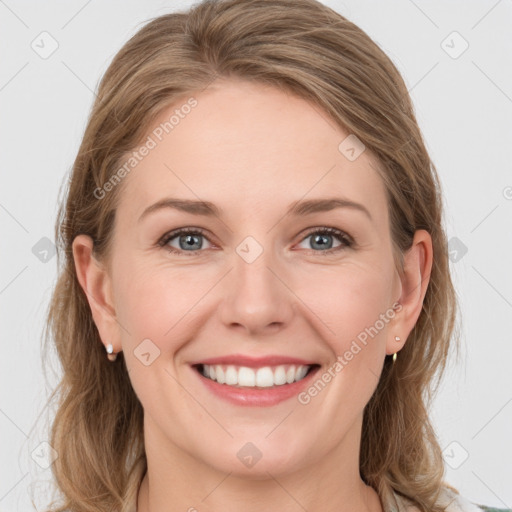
column 464, row 107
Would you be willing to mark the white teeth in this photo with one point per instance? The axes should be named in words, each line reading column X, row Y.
column 219, row 375
column 264, row 377
column 231, row 376
column 302, row 372
column 279, row 376
column 245, row 377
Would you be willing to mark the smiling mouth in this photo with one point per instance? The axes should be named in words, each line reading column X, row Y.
column 255, row 378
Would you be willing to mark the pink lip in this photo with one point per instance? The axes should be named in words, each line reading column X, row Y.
column 259, row 397
column 253, row 362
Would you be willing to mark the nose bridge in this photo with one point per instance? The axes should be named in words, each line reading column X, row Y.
column 255, row 296
column 253, row 277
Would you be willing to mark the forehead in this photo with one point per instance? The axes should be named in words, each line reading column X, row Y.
column 245, row 145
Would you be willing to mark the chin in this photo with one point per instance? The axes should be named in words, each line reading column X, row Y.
column 255, row 460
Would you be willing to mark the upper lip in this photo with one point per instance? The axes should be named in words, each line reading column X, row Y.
column 254, row 362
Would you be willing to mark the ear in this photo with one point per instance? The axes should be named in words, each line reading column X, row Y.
column 96, row 283
column 414, row 283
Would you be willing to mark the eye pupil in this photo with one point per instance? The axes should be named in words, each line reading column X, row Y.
column 189, row 241
column 323, row 241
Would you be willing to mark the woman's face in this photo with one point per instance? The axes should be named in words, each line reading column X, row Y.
column 256, row 282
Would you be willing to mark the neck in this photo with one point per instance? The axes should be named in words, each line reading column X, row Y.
column 178, row 481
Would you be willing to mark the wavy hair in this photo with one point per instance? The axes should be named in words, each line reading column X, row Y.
column 304, row 48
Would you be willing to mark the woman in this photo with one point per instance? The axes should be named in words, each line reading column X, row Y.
column 253, row 233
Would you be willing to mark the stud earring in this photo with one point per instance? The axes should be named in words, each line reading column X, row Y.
column 110, row 352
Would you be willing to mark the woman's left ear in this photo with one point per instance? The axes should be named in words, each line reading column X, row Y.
column 414, row 281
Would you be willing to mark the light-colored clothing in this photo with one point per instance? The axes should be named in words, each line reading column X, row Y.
column 393, row 502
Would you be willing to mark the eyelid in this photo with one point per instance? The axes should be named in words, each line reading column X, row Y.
column 347, row 241
column 343, row 235
column 163, row 241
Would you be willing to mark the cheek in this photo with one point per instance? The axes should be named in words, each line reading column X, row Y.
column 153, row 300
column 149, row 303
column 154, row 309
column 353, row 302
column 158, row 302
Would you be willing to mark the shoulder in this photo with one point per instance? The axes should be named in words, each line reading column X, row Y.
column 455, row 502
column 449, row 499
column 491, row 509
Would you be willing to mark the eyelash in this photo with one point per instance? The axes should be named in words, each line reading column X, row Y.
column 345, row 239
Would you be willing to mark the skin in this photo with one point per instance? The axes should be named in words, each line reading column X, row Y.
column 252, row 150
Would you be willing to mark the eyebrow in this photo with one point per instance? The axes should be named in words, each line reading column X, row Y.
column 298, row 208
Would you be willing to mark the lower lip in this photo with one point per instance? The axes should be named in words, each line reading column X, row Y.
column 262, row 397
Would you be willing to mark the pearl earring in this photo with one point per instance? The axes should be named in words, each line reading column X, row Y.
column 110, row 352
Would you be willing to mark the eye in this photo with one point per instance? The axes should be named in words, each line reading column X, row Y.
column 322, row 239
column 188, row 239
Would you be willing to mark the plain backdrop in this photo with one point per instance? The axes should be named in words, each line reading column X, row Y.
column 456, row 60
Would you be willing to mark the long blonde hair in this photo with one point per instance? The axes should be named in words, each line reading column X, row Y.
column 302, row 47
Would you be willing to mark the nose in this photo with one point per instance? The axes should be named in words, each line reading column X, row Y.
column 256, row 297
